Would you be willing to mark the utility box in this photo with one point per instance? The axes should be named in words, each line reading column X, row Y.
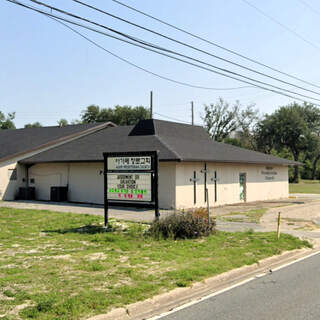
column 28, row 193
column 59, row 194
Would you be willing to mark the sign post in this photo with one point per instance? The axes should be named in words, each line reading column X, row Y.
column 131, row 180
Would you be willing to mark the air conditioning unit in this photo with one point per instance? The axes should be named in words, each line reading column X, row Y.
column 28, row 193
column 59, row 194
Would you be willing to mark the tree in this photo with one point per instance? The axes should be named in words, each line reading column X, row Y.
column 6, row 122
column 220, row 119
column 33, row 125
column 293, row 127
column 91, row 114
column 62, row 122
column 247, row 121
column 120, row 115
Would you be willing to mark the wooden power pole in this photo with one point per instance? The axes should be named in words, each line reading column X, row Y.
column 192, row 113
column 151, row 104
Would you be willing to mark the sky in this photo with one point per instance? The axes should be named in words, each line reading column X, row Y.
column 47, row 72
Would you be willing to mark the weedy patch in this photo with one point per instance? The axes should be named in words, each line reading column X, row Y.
column 253, row 216
column 68, row 266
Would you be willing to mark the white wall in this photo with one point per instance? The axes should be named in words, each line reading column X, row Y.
column 228, row 187
column 86, row 183
column 47, row 176
column 175, row 188
column 167, row 181
column 9, row 188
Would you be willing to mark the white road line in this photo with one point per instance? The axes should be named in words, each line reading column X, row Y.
column 191, row 303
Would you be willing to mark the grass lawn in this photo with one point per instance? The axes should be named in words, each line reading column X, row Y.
column 305, row 186
column 62, row 266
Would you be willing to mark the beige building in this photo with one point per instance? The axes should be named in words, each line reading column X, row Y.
column 190, row 162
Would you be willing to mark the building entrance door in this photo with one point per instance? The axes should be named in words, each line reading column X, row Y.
column 243, row 186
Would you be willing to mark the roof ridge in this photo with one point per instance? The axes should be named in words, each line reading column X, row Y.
column 168, row 146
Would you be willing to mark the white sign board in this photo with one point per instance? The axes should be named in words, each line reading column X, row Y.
column 130, row 186
column 129, row 163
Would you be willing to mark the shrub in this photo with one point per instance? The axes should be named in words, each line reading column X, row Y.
column 189, row 225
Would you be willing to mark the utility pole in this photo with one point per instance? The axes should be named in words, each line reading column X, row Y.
column 192, row 113
column 151, row 105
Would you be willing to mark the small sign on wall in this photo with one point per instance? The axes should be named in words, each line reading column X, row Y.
column 269, row 173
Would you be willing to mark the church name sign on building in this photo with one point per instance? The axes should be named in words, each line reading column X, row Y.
column 131, row 180
column 269, row 173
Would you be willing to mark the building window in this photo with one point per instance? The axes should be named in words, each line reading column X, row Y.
column 12, row 173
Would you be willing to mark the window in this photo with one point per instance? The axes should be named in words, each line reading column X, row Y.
column 12, row 173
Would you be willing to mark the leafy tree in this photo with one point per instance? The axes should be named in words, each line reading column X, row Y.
column 220, row 119
column 293, row 127
column 33, row 125
column 6, row 122
column 62, row 122
column 75, row 121
column 235, row 142
column 247, row 121
column 231, row 124
column 120, row 115
column 91, row 114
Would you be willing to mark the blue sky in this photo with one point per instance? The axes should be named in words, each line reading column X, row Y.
column 47, row 72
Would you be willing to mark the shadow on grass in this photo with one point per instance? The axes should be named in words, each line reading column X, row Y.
column 89, row 229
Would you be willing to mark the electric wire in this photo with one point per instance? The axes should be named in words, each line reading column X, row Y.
column 139, row 67
column 172, row 118
column 214, row 43
column 281, row 24
column 148, row 44
column 305, row 3
column 185, row 44
column 167, row 55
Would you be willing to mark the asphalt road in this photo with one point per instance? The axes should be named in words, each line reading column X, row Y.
column 289, row 293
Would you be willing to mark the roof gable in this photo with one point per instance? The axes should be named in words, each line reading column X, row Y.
column 14, row 142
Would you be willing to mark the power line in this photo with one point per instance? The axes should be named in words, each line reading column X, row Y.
column 305, row 3
column 172, row 118
column 281, row 24
column 169, row 56
column 183, row 44
column 145, row 45
column 214, row 44
column 144, row 69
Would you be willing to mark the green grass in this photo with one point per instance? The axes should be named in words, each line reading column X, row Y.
column 253, row 216
column 65, row 266
column 305, row 186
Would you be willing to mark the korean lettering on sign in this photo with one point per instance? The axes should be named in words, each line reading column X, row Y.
column 129, row 163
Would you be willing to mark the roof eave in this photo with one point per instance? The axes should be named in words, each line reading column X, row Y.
column 60, row 140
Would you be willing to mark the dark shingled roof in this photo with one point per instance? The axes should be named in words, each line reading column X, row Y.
column 19, row 141
column 176, row 142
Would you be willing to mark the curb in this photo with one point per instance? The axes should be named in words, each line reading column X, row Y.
column 173, row 299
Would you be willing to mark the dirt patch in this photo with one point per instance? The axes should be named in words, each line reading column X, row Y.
column 97, row 256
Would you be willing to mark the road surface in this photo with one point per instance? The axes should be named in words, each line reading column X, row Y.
column 290, row 293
